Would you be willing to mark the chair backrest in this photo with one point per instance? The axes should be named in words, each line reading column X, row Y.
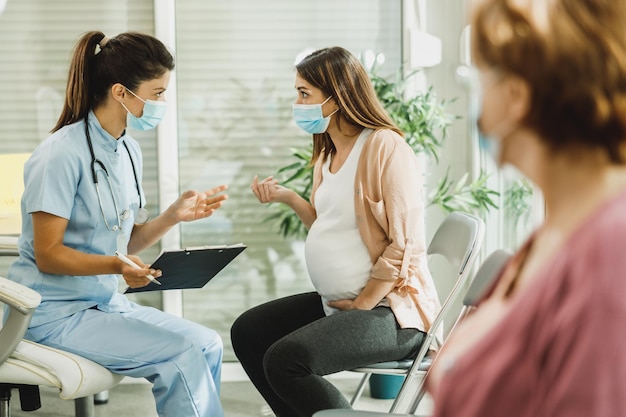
column 458, row 239
column 488, row 271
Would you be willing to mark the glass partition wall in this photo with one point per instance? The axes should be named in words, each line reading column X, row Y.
column 235, row 88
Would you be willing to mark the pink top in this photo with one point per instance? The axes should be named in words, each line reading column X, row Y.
column 560, row 349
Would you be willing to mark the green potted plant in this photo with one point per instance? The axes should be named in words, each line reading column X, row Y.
column 424, row 121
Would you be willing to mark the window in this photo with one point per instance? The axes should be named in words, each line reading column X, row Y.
column 520, row 204
column 235, row 65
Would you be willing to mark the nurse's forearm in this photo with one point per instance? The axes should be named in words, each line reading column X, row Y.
column 373, row 292
column 145, row 235
column 63, row 260
column 53, row 257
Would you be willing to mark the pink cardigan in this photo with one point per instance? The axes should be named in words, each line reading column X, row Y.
column 390, row 215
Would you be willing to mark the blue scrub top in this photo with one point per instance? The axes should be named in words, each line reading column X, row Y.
column 58, row 180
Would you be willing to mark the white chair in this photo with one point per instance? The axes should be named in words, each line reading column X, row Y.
column 26, row 366
column 458, row 240
column 489, row 270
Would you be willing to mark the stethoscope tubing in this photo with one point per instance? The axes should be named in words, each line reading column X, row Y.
column 94, row 176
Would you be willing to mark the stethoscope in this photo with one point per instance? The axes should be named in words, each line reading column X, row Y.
column 142, row 215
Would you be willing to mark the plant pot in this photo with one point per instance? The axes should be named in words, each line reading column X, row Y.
column 385, row 386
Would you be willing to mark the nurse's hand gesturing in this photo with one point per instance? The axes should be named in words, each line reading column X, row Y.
column 194, row 205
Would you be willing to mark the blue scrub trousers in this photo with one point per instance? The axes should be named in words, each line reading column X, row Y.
column 181, row 358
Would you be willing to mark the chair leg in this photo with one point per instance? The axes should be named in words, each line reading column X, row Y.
column 418, row 398
column 84, row 407
column 5, row 401
column 30, row 399
column 420, row 391
column 101, row 397
column 360, row 388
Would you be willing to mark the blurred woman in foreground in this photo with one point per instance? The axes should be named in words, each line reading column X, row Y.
column 548, row 338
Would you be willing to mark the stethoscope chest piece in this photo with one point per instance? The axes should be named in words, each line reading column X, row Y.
column 142, row 216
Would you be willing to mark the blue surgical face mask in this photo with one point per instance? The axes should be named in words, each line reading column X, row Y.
column 310, row 118
column 487, row 143
column 153, row 113
column 490, row 145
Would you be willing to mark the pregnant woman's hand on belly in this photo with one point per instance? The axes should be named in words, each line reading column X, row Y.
column 342, row 304
column 374, row 291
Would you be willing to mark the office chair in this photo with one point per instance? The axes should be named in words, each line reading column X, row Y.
column 25, row 365
column 488, row 271
column 458, row 240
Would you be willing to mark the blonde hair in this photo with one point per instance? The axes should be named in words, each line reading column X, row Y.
column 572, row 54
column 340, row 75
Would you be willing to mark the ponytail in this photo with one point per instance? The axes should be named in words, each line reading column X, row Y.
column 77, row 95
column 99, row 62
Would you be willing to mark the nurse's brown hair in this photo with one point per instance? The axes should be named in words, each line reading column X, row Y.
column 99, row 62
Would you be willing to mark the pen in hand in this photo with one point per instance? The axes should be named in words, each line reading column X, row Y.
column 128, row 261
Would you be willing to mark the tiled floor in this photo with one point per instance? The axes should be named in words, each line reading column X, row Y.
column 239, row 398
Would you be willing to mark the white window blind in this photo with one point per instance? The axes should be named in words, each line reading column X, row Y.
column 36, row 40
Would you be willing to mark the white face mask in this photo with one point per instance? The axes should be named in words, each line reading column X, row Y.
column 153, row 113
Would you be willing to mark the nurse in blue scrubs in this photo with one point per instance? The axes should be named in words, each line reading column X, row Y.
column 83, row 201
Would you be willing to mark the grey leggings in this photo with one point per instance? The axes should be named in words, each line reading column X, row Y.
column 286, row 346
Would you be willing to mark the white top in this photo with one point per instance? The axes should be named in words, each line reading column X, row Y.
column 337, row 259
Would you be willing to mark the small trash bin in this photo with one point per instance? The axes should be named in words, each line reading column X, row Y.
column 385, row 386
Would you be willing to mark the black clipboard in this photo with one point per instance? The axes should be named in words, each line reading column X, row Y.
column 190, row 267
